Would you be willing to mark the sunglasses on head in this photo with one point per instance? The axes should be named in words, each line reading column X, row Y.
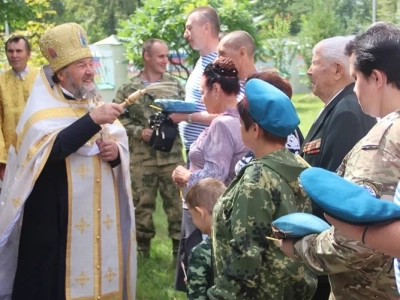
column 219, row 70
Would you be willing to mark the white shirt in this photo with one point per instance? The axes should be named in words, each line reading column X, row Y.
column 21, row 74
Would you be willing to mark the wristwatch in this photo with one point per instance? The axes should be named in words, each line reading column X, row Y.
column 189, row 119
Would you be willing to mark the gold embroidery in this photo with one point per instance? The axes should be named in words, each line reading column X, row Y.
column 82, row 279
column 108, row 222
column 55, row 112
column 110, row 275
column 82, row 170
column 17, row 202
column 14, row 94
column 82, row 225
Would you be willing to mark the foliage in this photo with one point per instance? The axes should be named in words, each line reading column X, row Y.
column 27, row 18
column 100, row 18
column 354, row 15
column 18, row 13
column 165, row 19
column 322, row 23
column 279, row 45
column 267, row 10
column 388, row 10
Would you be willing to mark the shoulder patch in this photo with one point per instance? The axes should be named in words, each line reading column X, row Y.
column 370, row 187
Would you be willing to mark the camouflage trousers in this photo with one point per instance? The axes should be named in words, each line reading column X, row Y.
column 146, row 182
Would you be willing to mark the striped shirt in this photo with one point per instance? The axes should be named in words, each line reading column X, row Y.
column 240, row 96
column 190, row 132
column 396, row 261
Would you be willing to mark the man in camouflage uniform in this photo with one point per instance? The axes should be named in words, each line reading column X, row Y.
column 356, row 271
column 150, row 169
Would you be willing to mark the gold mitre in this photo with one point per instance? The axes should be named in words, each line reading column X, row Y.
column 64, row 44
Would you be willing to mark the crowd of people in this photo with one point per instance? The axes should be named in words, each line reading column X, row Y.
column 80, row 178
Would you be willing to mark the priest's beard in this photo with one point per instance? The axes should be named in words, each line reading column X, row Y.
column 85, row 92
column 81, row 90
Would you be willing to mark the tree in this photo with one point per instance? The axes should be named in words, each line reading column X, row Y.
column 100, row 18
column 320, row 24
column 267, row 10
column 279, row 45
column 17, row 13
column 165, row 19
column 354, row 15
column 27, row 18
column 387, row 10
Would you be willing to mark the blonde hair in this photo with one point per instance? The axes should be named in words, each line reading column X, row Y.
column 205, row 193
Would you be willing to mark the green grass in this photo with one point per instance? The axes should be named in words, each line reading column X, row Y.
column 308, row 106
column 156, row 275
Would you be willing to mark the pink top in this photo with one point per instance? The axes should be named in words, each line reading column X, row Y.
column 217, row 149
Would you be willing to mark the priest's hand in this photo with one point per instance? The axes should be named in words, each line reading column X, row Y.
column 2, row 171
column 106, row 113
column 108, row 149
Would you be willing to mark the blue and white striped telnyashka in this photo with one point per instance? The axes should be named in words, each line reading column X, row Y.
column 190, row 132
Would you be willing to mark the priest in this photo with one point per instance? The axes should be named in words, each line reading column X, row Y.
column 67, row 227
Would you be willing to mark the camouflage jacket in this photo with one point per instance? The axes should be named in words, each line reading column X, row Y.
column 357, row 272
column 135, row 119
column 200, row 275
column 246, row 264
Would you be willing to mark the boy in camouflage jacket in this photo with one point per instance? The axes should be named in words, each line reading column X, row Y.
column 200, row 200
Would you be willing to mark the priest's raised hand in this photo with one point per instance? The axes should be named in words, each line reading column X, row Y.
column 106, row 113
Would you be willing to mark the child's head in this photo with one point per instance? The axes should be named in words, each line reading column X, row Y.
column 201, row 199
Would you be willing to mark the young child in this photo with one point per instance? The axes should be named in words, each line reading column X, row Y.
column 200, row 200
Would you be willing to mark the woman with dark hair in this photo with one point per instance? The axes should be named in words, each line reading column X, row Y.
column 217, row 149
column 247, row 265
column 296, row 138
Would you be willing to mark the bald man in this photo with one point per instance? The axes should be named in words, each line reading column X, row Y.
column 240, row 47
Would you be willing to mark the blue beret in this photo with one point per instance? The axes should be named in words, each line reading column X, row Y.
column 271, row 108
column 176, row 106
column 345, row 200
column 297, row 225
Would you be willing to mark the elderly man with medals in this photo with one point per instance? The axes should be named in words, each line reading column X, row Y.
column 67, row 224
